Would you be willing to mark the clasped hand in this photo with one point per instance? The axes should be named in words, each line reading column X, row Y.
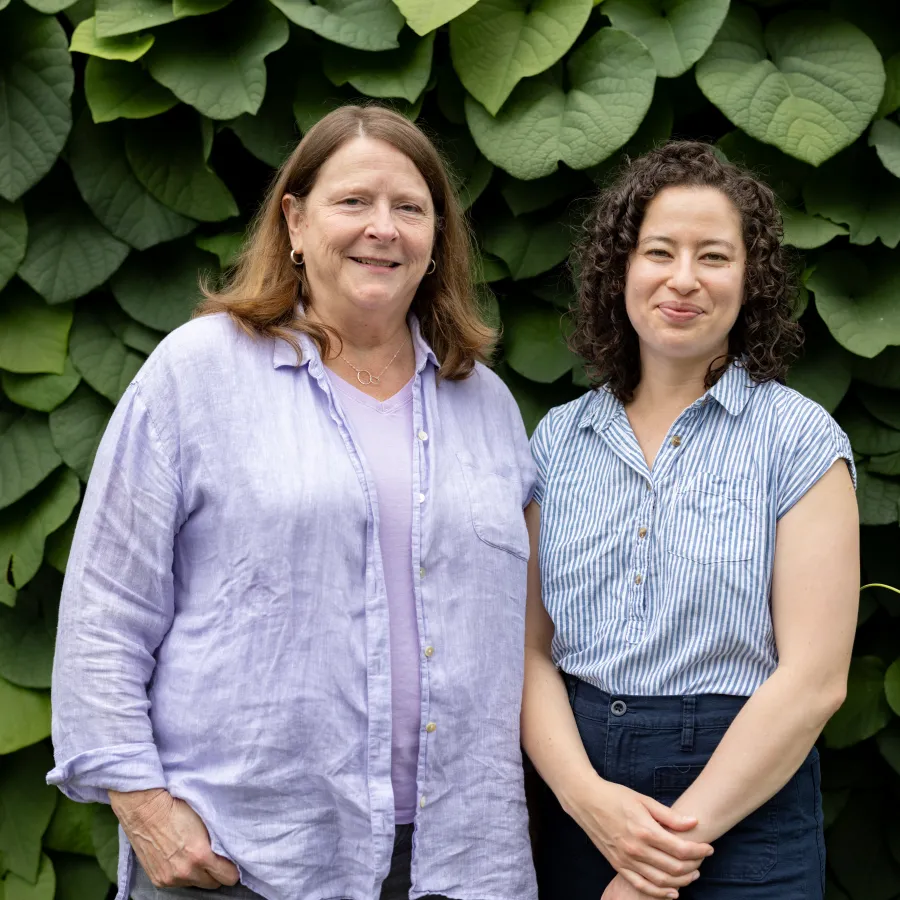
column 170, row 840
column 635, row 834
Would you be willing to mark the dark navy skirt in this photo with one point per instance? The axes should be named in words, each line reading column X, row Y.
column 658, row 746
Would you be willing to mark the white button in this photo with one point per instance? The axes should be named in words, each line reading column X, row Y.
column 423, row 436
column 422, row 803
column 429, row 651
column 431, row 727
column 421, row 498
column 422, row 572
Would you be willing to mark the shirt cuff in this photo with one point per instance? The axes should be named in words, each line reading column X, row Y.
column 87, row 777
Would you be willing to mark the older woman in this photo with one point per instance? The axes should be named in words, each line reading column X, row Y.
column 293, row 618
column 698, row 558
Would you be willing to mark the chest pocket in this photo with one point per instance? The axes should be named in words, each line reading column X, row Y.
column 495, row 501
column 715, row 519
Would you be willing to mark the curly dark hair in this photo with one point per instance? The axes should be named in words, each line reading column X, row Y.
column 765, row 337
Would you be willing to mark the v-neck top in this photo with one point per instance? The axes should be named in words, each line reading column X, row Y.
column 658, row 581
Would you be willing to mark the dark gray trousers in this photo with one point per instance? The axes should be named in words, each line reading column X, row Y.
column 396, row 885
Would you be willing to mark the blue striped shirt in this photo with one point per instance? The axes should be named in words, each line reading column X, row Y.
column 658, row 582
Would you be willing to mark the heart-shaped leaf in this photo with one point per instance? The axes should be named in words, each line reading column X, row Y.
column 77, row 427
column 611, row 79
column 361, row 24
column 855, row 189
column 168, row 157
column 79, row 878
column 69, row 251
column 115, row 196
column 529, row 196
column 59, row 544
column 184, row 8
column 867, row 435
column 26, row 806
column 882, row 371
column 823, row 373
column 27, row 457
column 105, row 836
column 395, row 73
column 24, row 527
column 36, row 81
column 424, row 16
column 865, row 711
column 877, row 498
column 28, row 630
column 159, row 287
column 533, row 343
column 890, row 102
column 25, row 721
column 33, row 335
column 812, row 98
column 881, row 403
column 497, row 43
column 115, row 17
column 528, row 245
column 117, row 90
column 69, row 832
column 885, row 138
column 13, row 239
column 859, row 302
column 225, row 247
column 41, row 392
column 216, row 63
column 805, row 231
column 676, row 32
column 127, row 47
column 44, row 888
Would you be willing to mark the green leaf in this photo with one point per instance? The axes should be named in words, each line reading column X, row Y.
column 77, row 427
column 27, row 457
column 529, row 196
column 128, row 47
column 885, row 138
column 815, row 95
column 424, row 16
column 882, row 371
column 26, row 800
column 361, row 24
column 497, row 43
column 70, row 832
column 13, row 239
column 24, row 527
column 881, row 403
column 867, row 435
column 889, row 464
column 888, row 741
column 611, row 79
column 490, row 269
column 105, row 837
column 115, row 17
column 396, row 73
column 59, row 544
column 41, row 392
column 676, row 32
column 892, row 686
column 858, row 302
column 78, row 878
column 117, row 90
column 16, row 888
column 807, row 232
column 216, row 63
column 69, row 251
column 167, row 156
column 25, row 721
column 115, row 196
column 533, row 342
column 159, row 286
column 890, row 102
column 225, row 246
column 877, row 498
column 36, row 81
column 184, row 8
column 28, row 631
column 104, row 362
column 528, row 245
column 49, row 7
column 865, row 711
column 823, row 373
column 534, row 400
column 33, row 335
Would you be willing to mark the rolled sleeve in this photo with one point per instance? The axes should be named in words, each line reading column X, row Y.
column 116, row 606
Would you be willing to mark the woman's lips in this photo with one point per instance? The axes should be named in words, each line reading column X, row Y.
column 679, row 313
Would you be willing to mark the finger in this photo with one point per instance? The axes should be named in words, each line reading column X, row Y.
column 669, row 865
column 222, row 869
column 197, row 877
column 646, row 887
column 668, row 817
column 677, row 847
column 664, row 879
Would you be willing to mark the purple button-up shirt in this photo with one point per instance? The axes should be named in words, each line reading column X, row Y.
column 224, row 626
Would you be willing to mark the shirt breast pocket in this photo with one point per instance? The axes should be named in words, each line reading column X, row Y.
column 715, row 519
column 495, row 503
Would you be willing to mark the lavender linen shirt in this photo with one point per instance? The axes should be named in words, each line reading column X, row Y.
column 224, row 629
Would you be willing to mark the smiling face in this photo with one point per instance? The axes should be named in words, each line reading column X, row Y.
column 366, row 231
column 685, row 281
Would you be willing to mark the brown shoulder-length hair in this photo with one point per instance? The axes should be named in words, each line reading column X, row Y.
column 264, row 287
column 765, row 337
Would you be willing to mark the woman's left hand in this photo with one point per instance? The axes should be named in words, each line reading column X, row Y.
column 620, row 889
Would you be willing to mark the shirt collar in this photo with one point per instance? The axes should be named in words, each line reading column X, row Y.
column 283, row 354
column 731, row 391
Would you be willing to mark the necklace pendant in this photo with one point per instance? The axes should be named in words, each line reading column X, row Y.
column 364, row 377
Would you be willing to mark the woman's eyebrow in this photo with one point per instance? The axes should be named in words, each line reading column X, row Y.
column 661, row 238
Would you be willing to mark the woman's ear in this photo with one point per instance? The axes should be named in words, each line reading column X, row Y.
column 292, row 208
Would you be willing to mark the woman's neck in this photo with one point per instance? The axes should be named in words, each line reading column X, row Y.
column 671, row 383
column 364, row 335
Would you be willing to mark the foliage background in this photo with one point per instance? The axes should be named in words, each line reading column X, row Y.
column 137, row 137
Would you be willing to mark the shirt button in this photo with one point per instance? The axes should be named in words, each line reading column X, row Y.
column 429, row 651
column 422, row 802
column 642, row 532
column 422, row 436
column 431, row 727
column 676, row 441
column 421, row 498
column 422, row 572
column 638, row 579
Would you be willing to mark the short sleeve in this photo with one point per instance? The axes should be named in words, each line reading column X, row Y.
column 523, row 453
column 815, row 442
column 540, row 453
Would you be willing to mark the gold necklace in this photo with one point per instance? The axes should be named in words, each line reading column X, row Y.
column 364, row 376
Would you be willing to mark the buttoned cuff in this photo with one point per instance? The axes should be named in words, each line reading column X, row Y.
column 87, row 777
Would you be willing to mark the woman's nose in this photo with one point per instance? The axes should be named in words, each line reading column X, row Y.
column 683, row 278
column 381, row 223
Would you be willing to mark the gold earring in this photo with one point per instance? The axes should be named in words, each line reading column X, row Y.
column 294, row 260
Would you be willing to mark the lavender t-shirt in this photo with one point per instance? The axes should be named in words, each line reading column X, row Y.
column 385, row 434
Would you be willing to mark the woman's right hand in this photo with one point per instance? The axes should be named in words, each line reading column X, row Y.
column 170, row 840
column 634, row 833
